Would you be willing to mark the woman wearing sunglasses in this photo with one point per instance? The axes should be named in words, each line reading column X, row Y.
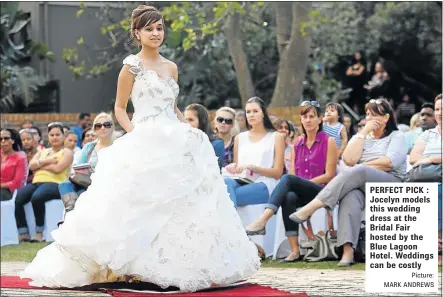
column 376, row 154
column 13, row 164
column 103, row 127
column 313, row 164
column 51, row 167
column 226, row 128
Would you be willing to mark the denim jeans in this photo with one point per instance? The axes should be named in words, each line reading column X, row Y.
column 291, row 193
column 38, row 194
column 255, row 193
column 68, row 187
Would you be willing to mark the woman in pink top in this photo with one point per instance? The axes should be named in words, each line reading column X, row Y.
column 13, row 164
column 313, row 164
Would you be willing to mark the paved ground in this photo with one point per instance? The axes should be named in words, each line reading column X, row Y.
column 312, row 281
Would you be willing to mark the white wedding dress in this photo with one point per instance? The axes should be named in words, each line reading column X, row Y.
column 157, row 208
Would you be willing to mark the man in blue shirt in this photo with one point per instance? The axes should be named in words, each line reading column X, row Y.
column 84, row 120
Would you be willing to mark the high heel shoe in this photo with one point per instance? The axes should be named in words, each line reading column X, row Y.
column 292, row 258
column 296, row 219
column 258, row 232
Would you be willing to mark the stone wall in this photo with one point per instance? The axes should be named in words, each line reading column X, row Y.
column 41, row 120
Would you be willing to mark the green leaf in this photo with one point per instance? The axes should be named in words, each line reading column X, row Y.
column 80, row 41
column 79, row 13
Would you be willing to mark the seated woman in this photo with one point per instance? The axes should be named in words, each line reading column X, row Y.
column 427, row 150
column 226, row 127
column 198, row 117
column 313, row 164
column 13, row 164
column 260, row 149
column 376, row 154
column 104, row 128
column 51, row 167
column 287, row 130
column 30, row 148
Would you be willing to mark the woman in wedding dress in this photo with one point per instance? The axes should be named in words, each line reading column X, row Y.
column 157, row 209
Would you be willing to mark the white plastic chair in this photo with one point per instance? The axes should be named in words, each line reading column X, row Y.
column 9, row 232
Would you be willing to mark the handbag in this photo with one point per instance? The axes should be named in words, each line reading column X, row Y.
column 424, row 173
column 322, row 246
column 82, row 176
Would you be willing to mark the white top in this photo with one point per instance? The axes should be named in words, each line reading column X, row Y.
column 260, row 153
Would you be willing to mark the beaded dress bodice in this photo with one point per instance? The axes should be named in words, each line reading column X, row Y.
column 153, row 96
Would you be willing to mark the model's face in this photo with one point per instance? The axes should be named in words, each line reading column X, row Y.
column 191, row 118
column 152, row 35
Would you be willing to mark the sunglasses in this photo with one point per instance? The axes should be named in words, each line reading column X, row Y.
column 107, row 125
column 27, row 130
column 376, row 101
column 226, row 120
column 5, row 138
column 310, row 103
column 90, row 135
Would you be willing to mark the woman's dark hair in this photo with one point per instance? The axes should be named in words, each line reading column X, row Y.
column 362, row 58
column 266, row 120
column 15, row 136
column 88, row 128
column 203, row 119
column 144, row 16
column 305, row 109
column 39, row 132
column 340, row 110
column 55, row 125
column 382, row 107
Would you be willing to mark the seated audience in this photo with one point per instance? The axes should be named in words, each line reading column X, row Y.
column 428, row 150
column 313, row 164
column 376, row 154
column 13, row 164
column 226, row 128
column 427, row 121
column 333, row 125
column 104, row 129
column 198, row 117
column 71, row 141
column 283, row 127
column 83, row 121
column 240, row 117
column 51, row 167
column 30, row 149
column 261, row 150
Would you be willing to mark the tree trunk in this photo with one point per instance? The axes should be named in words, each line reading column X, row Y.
column 239, row 57
column 294, row 53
